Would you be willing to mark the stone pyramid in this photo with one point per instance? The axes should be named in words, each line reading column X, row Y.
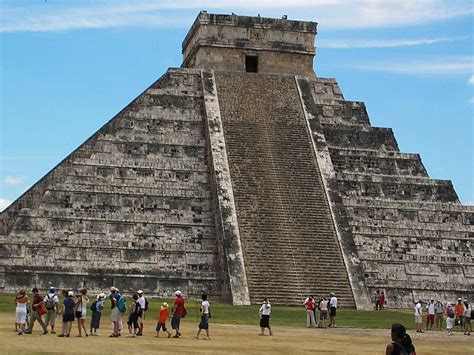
column 244, row 175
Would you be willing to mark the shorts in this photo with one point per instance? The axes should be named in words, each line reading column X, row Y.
column 68, row 317
column 115, row 315
column 430, row 319
column 265, row 321
column 175, row 321
column 323, row 315
column 204, row 322
column 133, row 321
column 418, row 318
column 467, row 320
column 333, row 311
column 161, row 326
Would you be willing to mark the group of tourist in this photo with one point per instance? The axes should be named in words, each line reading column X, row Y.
column 458, row 315
column 323, row 306
column 76, row 306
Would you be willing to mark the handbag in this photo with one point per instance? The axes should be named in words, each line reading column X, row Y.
column 41, row 309
column 79, row 313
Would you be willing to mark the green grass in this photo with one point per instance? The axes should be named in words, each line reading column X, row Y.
column 283, row 316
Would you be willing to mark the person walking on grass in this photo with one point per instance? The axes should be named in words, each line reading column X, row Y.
column 144, row 307
column 401, row 342
column 178, row 312
column 81, row 312
column 37, row 303
column 96, row 308
column 431, row 314
column 467, row 318
column 134, row 314
column 418, row 316
column 265, row 312
column 21, row 301
column 332, row 310
column 163, row 315
column 51, row 302
column 67, row 313
column 310, row 306
column 439, row 308
column 449, row 318
column 205, row 315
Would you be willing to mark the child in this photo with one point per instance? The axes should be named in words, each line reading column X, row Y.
column 205, row 315
column 163, row 315
column 265, row 311
column 135, row 311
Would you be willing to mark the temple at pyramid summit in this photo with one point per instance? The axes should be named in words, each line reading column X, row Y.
column 244, row 175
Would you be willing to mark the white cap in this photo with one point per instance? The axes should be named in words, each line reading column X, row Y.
column 70, row 293
column 140, row 291
column 178, row 293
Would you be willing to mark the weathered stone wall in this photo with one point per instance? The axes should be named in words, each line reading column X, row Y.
column 131, row 207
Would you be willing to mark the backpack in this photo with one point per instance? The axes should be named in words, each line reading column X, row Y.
column 49, row 302
column 121, row 304
column 94, row 306
column 147, row 304
column 450, row 313
column 138, row 309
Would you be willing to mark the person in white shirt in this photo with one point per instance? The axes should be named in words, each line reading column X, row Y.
column 205, row 315
column 467, row 318
column 51, row 303
column 141, row 300
column 431, row 314
column 418, row 316
column 332, row 310
column 265, row 311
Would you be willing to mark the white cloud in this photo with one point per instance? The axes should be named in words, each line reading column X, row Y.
column 13, row 180
column 471, row 80
column 329, row 13
column 471, row 101
column 441, row 66
column 389, row 43
column 4, row 203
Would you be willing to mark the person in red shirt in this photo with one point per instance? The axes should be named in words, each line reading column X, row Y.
column 178, row 312
column 37, row 302
column 309, row 304
column 163, row 315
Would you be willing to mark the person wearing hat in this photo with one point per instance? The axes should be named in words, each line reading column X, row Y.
column 51, row 302
column 178, row 312
column 439, row 308
column 96, row 307
column 68, row 314
column 163, row 315
column 144, row 307
column 37, row 303
column 449, row 318
column 431, row 314
column 332, row 310
column 459, row 311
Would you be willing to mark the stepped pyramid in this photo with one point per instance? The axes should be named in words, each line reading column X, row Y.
column 244, row 175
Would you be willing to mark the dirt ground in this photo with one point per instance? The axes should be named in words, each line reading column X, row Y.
column 229, row 339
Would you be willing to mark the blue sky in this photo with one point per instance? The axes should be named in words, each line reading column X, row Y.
column 67, row 67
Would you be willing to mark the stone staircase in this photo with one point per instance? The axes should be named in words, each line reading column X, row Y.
column 288, row 237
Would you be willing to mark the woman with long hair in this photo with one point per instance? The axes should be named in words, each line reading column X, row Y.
column 21, row 300
column 81, row 311
column 401, row 342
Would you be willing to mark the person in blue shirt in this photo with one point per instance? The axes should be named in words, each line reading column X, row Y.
column 68, row 314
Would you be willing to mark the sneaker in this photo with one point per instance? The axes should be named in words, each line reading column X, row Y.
column 261, row 334
column 176, row 336
column 53, row 332
column 20, row 333
column 139, row 334
column 131, row 336
column 44, row 333
column 67, row 335
column 207, row 338
column 196, row 337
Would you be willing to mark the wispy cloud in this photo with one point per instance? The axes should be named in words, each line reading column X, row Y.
column 442, row 66
column 330, row 13
column 471, row 101
column 383, row 43
column 471, row 80
column 4, row 203
column 13, row 180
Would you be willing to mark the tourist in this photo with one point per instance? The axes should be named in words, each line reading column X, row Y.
column 51, row 302
column 467, row 318
column 265, row 312
column 134, row 314
column 163, row 315
column 37, row 311
column 377, row 300
column 96, row 307
column 439, row 308
column 310, row 306
column 144, row 307
column 21, row 300
column 115, row 314
column 382, row 301
column 332, row 310
column 449, row 318
column 68, row 314
column 81, row 311
column 418, row 316
column 431, row 314
column 401, row 342
column 323, row 312
column 459, row 311
column 178, row 312
column 205, row 315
